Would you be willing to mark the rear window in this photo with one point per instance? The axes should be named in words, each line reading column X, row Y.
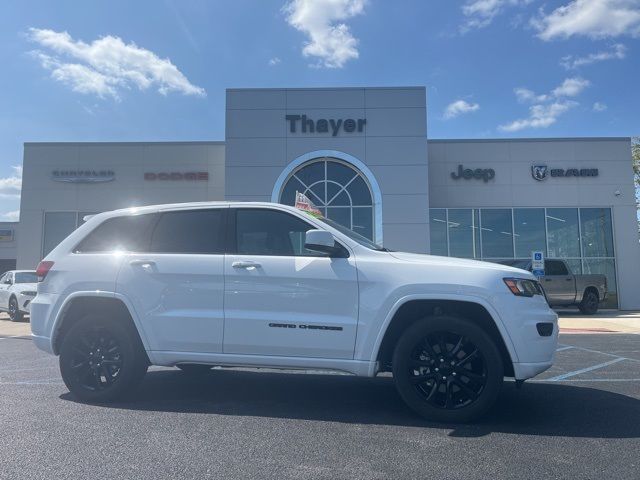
column 189, row 231
column 127, row 234
column 555, row 267
column 26, row 277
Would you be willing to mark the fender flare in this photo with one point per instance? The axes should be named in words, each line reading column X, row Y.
column 99, row 294
column 445, row 297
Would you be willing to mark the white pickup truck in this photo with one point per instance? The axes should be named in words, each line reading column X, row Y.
column 265, row 285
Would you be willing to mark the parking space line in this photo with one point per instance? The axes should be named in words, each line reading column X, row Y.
column 584, row 370
column 566, row 347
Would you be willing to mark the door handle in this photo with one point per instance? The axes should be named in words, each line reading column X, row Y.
column 568, row 279
column 246, row 265
column 142, row 263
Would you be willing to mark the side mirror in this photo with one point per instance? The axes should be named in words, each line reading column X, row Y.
column 320, row 241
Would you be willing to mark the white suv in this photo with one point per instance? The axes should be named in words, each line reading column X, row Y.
column 266, row 285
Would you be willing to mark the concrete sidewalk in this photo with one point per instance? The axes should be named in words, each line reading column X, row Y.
column 571, row 321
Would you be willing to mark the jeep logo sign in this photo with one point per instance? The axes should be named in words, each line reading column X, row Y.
column 485, row 174
column 323, row 125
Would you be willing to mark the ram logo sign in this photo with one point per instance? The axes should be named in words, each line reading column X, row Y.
column 539, row 172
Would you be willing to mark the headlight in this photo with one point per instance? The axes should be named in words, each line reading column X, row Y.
column 523, row 287
column 29, row 293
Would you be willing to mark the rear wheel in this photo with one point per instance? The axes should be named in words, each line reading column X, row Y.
column 101, row 360
column 15, row 315
column 590, row 302
column 447, row 369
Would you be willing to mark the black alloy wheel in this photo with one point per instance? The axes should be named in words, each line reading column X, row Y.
column 96, row 359
column 101, row 359
column 447, row 369
column 590, row 303
column 15, row 315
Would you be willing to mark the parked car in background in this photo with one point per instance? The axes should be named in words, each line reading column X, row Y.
column 265, row 285
column 17, row 289
column 564, row 288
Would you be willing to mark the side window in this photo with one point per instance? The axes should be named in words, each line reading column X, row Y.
column 128, row 234
column 555, row 267
column 271, row 232
column 189, row 231
column 3, row 278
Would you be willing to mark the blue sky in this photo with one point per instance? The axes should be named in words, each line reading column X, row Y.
column 157, row 70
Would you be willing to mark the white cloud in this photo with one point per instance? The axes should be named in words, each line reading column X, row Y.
column 599, row 107
column 12, row 216
column 330, row 40
column 107, row 65
column 591, row 18
column 616, row 52
column 480, row 13
column 571, row 87
column 547, row 107
column 10, row 186
column 459, row 107
column 274, row 61
column 540, row 116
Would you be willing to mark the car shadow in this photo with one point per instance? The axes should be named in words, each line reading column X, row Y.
column 545, row 409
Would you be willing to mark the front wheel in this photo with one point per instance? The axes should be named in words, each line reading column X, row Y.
column 101, row 360
column 589, row 304
column 15, row 315
column 447, row 369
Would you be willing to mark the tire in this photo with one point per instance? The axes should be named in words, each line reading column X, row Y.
column 590, row 302
column 102, row 359
column 457, row 386
column 194, row 368
column 15, row 315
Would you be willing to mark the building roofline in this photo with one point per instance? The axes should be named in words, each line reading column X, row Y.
column 275, row 89
column 533, row 139
column 195, row 142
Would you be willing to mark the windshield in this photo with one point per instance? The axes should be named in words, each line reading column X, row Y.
column 523, row 264
column 26, row 277
column 364, row 241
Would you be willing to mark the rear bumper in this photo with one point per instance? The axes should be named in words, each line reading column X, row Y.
column 42, row 310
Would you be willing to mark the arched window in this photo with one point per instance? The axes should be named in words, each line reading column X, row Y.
column 339, row 190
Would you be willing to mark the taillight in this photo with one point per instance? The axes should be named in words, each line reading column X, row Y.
column 43, row 269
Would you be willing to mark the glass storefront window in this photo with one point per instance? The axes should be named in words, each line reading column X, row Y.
column 462, row 233
column 582, row 237
column 57, row 227
column 607, row 267
column 563, row 233
column 497, row 233
column 529, row 231
column 438, row 231
column 597, row 234
column 339, row 191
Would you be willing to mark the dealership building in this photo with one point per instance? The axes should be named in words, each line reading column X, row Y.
column 363, row 156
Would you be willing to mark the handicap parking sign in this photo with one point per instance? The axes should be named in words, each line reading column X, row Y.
column 537, row 256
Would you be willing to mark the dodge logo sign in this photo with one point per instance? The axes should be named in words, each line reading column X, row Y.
column 177, row 176
column 539, row 172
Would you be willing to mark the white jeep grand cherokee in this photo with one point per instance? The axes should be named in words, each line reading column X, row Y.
column 266, row 285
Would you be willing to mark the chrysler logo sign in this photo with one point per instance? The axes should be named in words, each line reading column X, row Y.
column 540, row 172
column 83, row 176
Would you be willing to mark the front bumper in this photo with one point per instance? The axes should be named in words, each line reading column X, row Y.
column 533, row 353
column 24, row 302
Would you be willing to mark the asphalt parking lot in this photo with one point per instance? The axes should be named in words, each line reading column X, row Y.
column 581, row 419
